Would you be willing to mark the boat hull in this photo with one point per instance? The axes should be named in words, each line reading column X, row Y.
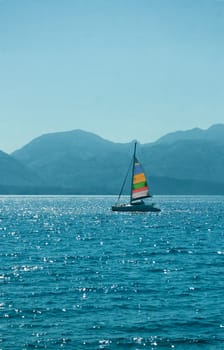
column 135, row 208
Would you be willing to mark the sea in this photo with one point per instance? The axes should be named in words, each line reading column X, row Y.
column 75, row 275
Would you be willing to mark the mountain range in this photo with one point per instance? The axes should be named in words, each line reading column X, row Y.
column 79, row 162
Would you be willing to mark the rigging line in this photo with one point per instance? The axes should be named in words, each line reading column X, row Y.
column 122, row 187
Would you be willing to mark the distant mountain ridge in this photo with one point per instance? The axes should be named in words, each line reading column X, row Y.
column 215, row 134
column 80, row 162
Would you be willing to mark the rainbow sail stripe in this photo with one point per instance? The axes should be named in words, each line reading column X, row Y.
column 140, row 188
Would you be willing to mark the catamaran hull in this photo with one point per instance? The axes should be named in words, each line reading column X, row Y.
column 135, row 208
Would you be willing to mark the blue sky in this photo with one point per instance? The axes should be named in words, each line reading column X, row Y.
column 123, row 69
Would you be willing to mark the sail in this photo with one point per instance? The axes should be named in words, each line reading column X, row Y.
column 140, row 188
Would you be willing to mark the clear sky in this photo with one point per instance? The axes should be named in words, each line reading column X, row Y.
column 123, row 69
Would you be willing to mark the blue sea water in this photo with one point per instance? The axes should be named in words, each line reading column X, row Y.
column 75, row 275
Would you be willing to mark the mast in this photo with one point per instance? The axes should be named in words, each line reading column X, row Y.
column 133, row 166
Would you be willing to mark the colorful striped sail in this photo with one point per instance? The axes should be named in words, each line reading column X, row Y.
column 140, row 188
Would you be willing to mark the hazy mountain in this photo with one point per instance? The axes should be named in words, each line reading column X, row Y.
column 77, row 160
column 186, row 159
column 14, row 173
column 83, row 163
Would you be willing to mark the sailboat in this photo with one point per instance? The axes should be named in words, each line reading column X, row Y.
column 139, row 190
